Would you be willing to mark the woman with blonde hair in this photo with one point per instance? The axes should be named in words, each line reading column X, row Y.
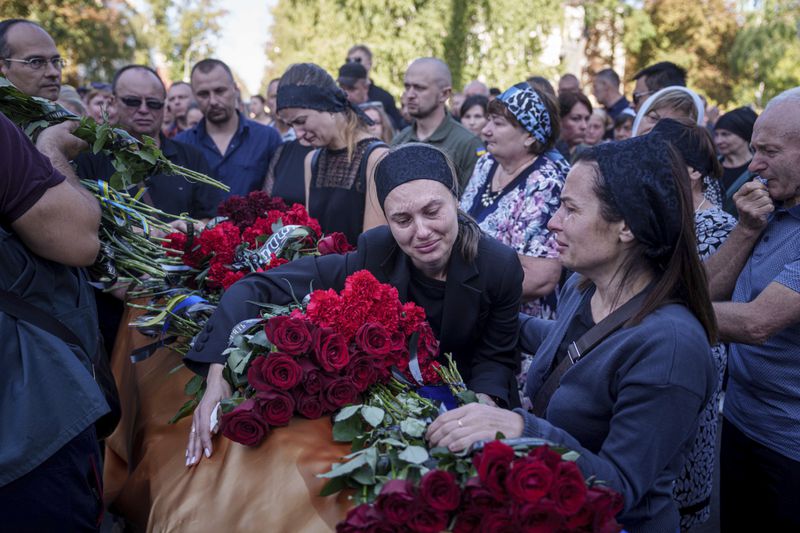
column 340, row 174
column 381, row 123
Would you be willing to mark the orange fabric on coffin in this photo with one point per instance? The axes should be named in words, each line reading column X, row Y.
column 269, row 488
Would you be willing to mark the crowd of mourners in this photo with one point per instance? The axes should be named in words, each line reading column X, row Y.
column 618, row 276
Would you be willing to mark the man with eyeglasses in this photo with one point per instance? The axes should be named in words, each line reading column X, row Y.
column 362, row 55
column 655, row 77
column 29, row 58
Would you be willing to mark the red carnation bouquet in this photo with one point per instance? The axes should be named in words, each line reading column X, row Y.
column 314, row 359
column 254, row 233
column 503, row 488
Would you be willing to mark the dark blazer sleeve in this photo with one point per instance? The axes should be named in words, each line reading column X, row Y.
column 496, row 359
column 278, row 286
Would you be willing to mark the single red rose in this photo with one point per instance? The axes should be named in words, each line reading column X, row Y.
column 499, row 521
column 289, row 334
column 382, row 367
column 341, row 392
column 468, row 521
column 493, row 464
column 244, row 424
column 529, row 479
column 425, row 519
column 365, row 518
column 362, row 372
column 399, row 341
column 334, row 243
column 276, row 407
column 277, row 370
column 330, row 349
column 312, row 376
column 538, row 517
column 477, row 496
column 569, row 488
column 605, row 504
column 373, row 339
column 396, row 500
column 439, row 490
column 550, row 458
column 307, row 405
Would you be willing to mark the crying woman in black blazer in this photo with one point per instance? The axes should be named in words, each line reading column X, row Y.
column 469, row 284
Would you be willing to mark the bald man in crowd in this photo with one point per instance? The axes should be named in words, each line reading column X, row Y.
column 428, row 85
column 568, row 83
column 476, row 87
column 29, row 58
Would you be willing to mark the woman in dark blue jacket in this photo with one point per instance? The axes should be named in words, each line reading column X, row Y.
column 469, row 284
column 630, row 404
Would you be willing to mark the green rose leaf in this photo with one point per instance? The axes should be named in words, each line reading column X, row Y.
column 347, row 412
column 341, row 469
column 414, row 454
column 412, row 427
column 348, row 429
column 193, row 386
column 373, row 415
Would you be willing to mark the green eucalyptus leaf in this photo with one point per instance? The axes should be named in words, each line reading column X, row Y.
column 414, row 454
column 412, row 427
column 466, row 397
column 389, row 441
column 373, row 415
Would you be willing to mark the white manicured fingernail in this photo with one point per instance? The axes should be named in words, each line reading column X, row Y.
column 188, row 462
column 194, row 458
column 208, row 453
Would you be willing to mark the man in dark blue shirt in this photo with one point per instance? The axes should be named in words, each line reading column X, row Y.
column 139, row 96
column 237, row 149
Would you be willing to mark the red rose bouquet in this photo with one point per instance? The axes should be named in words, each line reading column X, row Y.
column 503, row 488
column 315, row 359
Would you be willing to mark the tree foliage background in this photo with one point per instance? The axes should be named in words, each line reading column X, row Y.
column 736, row 51
column 500, row 40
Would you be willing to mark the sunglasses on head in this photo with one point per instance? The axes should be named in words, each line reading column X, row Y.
column 136, row 102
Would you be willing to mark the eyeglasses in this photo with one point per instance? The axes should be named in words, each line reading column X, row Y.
column 638, row 96
column 356, row 59
column 136, row 102
column 36, row 63
column 374, row 104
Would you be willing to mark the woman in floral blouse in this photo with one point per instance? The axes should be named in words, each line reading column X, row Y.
column 515, row 188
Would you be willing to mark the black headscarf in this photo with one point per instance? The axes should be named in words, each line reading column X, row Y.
column 409, row 162
column 316, row 98
column 740, row 122
column 638, row 173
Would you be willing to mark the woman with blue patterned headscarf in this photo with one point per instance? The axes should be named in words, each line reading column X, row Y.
column 515, row 189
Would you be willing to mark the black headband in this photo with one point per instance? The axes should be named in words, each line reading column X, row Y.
column 680, row 137
column 638, row 173
column 316, row 98
column 411, row 162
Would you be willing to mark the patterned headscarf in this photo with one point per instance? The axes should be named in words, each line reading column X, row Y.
column 529, row 110
column 638, row 173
